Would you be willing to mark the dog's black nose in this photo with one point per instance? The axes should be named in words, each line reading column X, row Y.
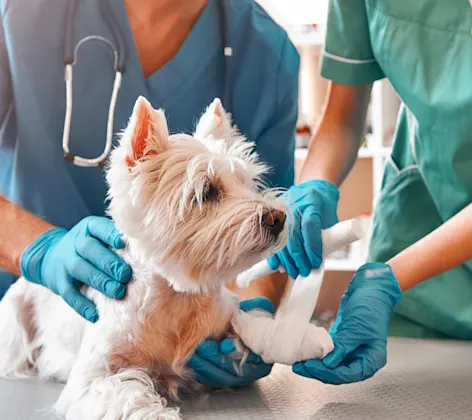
column 274, row 220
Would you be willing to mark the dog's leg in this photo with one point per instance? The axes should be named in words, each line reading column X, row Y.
column 17, row 330
column 59, row 335
column 94, row 393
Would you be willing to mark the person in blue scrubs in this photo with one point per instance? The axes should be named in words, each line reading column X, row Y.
column 52, row 225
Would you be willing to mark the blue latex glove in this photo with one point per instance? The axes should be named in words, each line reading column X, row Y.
column 64, row 260
column 314, row 204
column 360, row 330
column 213, row 362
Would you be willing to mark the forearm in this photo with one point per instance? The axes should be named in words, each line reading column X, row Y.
column 335, row 144
column 331, row 155
column 18, row 229
column 446, row 247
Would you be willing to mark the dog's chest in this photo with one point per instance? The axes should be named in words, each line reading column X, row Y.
column 164, row 327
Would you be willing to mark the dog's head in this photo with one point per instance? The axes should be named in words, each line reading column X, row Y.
column 193, row 207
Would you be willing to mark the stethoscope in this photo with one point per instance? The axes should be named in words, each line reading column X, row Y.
column 118, row 48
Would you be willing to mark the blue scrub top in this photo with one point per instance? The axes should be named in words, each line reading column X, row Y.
column 33, row 173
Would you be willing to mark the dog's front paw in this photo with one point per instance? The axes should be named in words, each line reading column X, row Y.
column 241, row 353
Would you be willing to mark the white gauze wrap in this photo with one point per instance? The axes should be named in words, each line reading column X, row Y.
column 289, row 337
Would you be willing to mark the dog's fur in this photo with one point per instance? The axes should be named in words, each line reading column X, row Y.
column 190, row 209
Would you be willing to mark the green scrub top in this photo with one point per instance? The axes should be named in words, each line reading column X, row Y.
column 424, row 48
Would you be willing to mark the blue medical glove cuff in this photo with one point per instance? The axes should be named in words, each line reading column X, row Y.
column 382, row 278
column 326, row 187
column 31, row 259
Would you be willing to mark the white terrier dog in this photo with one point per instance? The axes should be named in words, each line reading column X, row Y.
column 193, row 216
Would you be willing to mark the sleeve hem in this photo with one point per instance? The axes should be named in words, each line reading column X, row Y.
column 350, row 72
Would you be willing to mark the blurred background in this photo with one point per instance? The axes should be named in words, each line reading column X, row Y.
column 305, row 22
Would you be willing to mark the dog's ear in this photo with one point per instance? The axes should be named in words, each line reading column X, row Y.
column 147, row 131
column 215, row 122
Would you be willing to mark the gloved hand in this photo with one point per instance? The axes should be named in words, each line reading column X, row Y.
column 214, row 363
column 63, row 260
column 360, row 330
column 314, row 205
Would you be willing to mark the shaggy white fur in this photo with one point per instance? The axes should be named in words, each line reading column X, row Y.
column 193, row 216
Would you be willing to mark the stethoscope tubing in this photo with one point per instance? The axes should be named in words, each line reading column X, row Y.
column 119, row 53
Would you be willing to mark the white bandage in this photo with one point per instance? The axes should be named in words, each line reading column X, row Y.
column 289, row 337
column 284, row 340
column 334, row 238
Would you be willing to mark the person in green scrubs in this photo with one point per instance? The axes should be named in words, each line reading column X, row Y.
column 422, row 234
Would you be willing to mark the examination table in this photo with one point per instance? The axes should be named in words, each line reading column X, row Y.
column 425, row 380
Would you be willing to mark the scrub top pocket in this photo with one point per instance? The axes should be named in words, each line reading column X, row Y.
column 441, row 307
column 404, row 213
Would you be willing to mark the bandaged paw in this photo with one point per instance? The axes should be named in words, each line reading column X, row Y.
column 281, row 339
column 290, row 337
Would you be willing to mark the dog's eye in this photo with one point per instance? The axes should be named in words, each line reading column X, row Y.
column 211, row 193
